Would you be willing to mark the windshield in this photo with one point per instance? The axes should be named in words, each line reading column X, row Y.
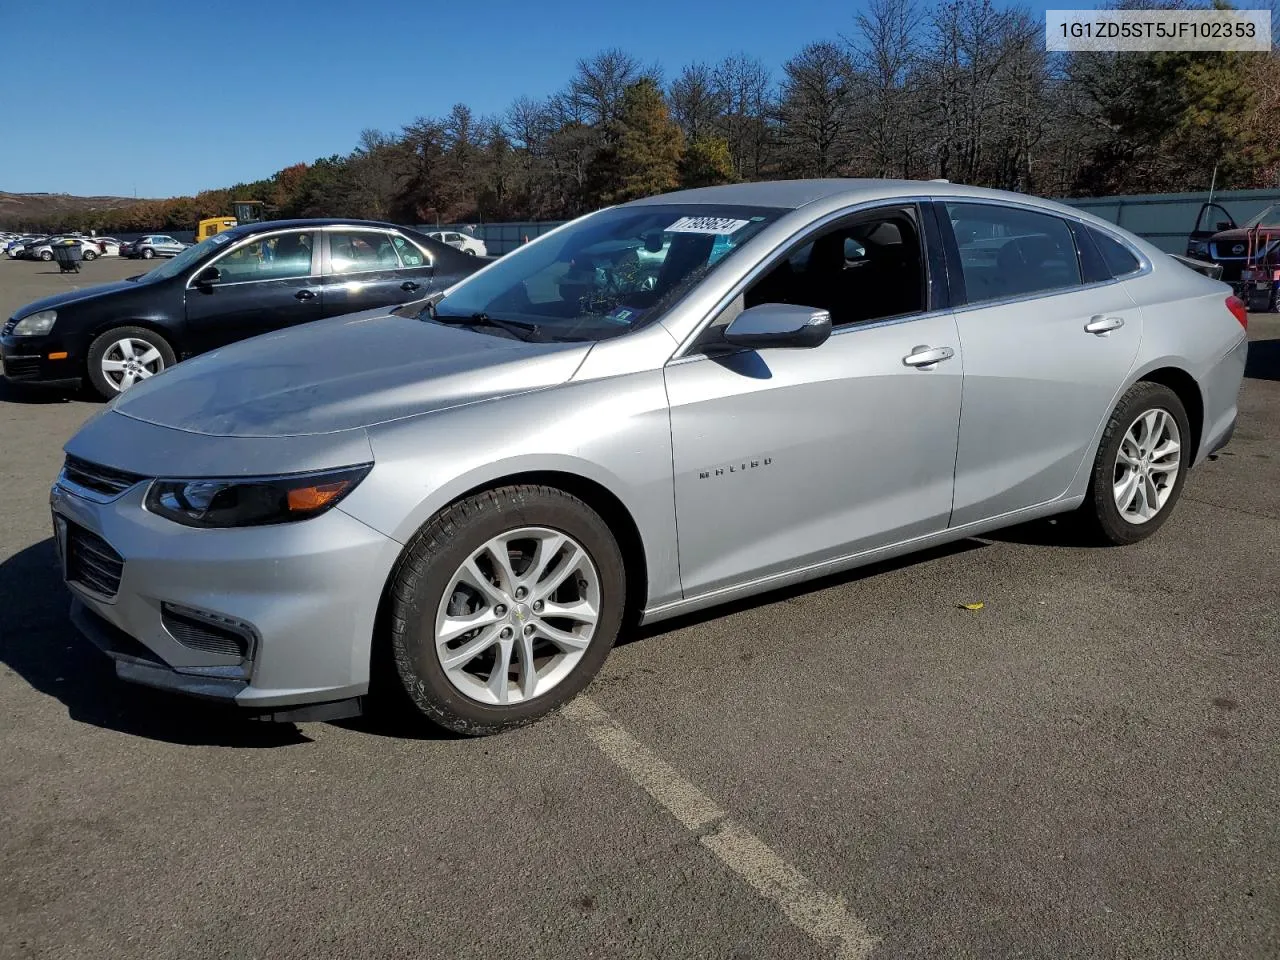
column 1269, row 217
column 171, row 268
column 608, row 274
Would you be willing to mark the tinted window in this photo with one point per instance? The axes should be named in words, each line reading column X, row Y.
column 352, row 251
column 1012, row 252
column 1118, row 258
column 868, row 270
column 409, row 254
column 284, row 256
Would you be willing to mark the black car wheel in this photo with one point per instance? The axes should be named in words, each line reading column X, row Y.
column 124, row 356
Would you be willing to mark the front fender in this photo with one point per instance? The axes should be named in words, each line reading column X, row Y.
column 613, row 432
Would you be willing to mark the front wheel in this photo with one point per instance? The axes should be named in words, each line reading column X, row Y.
column 1141, row 465
column 504, row 606
column 124, row 356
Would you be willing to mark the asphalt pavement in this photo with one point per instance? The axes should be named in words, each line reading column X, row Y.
column 1087, row 766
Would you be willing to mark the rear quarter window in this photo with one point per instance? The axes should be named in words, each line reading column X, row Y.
column 1119, row 259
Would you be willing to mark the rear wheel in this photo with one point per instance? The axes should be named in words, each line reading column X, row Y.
column 147, row 253
column 1141, row 464
column 124, row 356
column 90, row 255
column 503, row 608
column 46, row 255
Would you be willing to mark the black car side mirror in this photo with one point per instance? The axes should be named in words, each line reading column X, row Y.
column 1224, row 225
column 208, row 277
column 779, row 325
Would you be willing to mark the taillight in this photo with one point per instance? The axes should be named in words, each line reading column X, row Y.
column 1238, row 310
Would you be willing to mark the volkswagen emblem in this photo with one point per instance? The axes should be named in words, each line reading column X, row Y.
column 1238, row 248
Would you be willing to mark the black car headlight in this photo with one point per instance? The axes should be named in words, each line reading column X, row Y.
column 252, row 501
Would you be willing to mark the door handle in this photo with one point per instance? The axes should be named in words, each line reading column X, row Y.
column 926, row 358
column 305, row 295
column 409, row 285
column 1103, row 325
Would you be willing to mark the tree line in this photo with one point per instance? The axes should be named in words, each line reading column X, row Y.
column 956, row 89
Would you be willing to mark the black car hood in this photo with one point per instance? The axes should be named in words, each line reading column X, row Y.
column 60, row 300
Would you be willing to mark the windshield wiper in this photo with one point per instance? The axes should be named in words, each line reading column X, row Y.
column 517, row 328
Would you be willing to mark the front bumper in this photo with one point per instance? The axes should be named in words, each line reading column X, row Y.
column 27, row 359
column 306, row 594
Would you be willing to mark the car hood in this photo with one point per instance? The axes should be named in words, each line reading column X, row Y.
column 344, row 373
column 60, row 300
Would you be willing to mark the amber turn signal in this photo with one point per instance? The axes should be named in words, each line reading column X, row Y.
column 60, row 355
column 307, row 499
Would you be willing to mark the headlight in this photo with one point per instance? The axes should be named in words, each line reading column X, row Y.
column 1200, row 246
column 251, row 501
column 35, row 325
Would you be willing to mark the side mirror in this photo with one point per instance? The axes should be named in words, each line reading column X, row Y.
column 779, row 325
column 1224, row 225
column 208, row 277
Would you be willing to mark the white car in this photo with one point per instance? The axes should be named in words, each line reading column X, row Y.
column 461, row 241
column 43, row 250
column 106, row 246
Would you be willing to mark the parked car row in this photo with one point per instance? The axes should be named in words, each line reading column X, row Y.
column 41, row 248
column 469, row 493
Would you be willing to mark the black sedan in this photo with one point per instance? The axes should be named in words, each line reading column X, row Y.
column 248, row 280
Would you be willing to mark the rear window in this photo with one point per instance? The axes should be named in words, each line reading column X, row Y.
column 1119, row 259
column 1011, row 251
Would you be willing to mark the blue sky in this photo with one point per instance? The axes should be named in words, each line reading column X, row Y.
column 163, row 99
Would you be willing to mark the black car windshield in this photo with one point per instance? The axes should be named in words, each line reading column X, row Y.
column 173, row 267
column 1269, row 217
column 607, row 274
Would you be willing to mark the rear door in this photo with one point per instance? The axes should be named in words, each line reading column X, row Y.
column 363, row 270
column 267, row 284
column 1047, row 343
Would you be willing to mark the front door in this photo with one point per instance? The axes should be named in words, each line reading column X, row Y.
column 1212, row 219
column 789, row 457
column 264, row 285
column 1044, row 355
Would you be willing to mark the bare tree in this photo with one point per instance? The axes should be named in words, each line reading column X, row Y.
column 816, row 109
column 595, row 91
column 884, row 51
column 744, row 89
column 696, row 103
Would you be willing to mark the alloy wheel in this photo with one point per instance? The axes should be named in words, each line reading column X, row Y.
column 127, row 361
column 517, row 616
column 1147, row 466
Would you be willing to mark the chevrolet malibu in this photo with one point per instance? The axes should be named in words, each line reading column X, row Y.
column 468, row 497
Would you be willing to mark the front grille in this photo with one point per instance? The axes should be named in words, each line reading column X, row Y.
column 203, row 633
column 22, row 368
column 100, row 479
column 91, row 562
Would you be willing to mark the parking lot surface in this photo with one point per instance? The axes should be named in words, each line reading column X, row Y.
column 1088, row 766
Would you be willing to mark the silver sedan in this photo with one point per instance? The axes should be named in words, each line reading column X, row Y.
column 657, row 408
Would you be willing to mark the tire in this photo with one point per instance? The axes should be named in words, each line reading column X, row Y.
column 104, row 348
column 147, row 253
column 471, row 253
column 431, row 566
column 46, row 255
column 1101, row 512
column 90, row 255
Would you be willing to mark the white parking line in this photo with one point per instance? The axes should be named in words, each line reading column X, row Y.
column 821, row 915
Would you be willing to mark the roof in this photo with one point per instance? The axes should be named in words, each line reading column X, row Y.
column 791, row 194
column 246, row 228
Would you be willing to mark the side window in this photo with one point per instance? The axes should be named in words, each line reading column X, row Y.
column 868, row 269
column 1119, row 259
column 361, row 251
column 410, row 255
column 1012, row 252
column 281, row 257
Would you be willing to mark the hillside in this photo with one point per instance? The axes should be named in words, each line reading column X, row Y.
column 17, row 209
